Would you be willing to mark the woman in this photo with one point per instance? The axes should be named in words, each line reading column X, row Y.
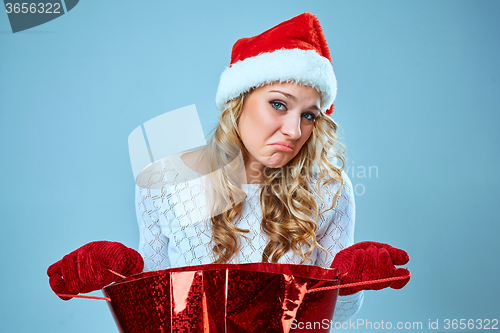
column 275, row 99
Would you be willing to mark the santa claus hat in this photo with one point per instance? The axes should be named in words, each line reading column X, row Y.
column 294, row 50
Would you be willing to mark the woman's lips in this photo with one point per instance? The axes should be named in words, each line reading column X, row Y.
column 282, row 146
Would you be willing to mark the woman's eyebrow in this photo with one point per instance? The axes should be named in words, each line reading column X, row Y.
column 285, row 94
column 293, row 98
column 315, row 108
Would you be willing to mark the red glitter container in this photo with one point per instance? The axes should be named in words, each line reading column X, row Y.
column 259, row 297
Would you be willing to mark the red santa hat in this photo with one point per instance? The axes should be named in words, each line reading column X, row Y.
column 294, row 50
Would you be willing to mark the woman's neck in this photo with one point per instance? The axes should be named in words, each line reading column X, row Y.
column 254, row 171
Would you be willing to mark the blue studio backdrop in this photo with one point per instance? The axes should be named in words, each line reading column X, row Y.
column 418, row 107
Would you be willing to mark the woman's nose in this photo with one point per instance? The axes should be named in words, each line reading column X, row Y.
column 291, row 126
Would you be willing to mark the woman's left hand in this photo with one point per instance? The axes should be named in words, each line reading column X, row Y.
column 368, row 261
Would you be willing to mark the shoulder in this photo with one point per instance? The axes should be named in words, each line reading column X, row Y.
column 347, row 189
column 192, row 159
column 329, row 186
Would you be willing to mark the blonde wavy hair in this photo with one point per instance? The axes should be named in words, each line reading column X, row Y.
column 289, row 209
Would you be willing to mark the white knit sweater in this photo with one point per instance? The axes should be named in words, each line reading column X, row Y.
column 167, row 240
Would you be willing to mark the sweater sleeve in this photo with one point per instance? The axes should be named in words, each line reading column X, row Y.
column 153, row 242
column 339, row 235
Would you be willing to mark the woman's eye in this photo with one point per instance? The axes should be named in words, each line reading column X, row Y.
column 278, row 105
column 309, row 116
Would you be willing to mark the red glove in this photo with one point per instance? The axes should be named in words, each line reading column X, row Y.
column 367, row 261
column 87, row 268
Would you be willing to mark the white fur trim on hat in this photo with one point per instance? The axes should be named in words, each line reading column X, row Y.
column 301, row 66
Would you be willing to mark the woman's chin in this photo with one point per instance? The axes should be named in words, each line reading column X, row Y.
column 277, row 160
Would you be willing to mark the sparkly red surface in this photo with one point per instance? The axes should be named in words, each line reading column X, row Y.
column 227, row 298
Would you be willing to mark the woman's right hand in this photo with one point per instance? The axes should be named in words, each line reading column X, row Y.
column 88, row 268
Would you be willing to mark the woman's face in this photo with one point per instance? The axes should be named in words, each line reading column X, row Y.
column 276, row 121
